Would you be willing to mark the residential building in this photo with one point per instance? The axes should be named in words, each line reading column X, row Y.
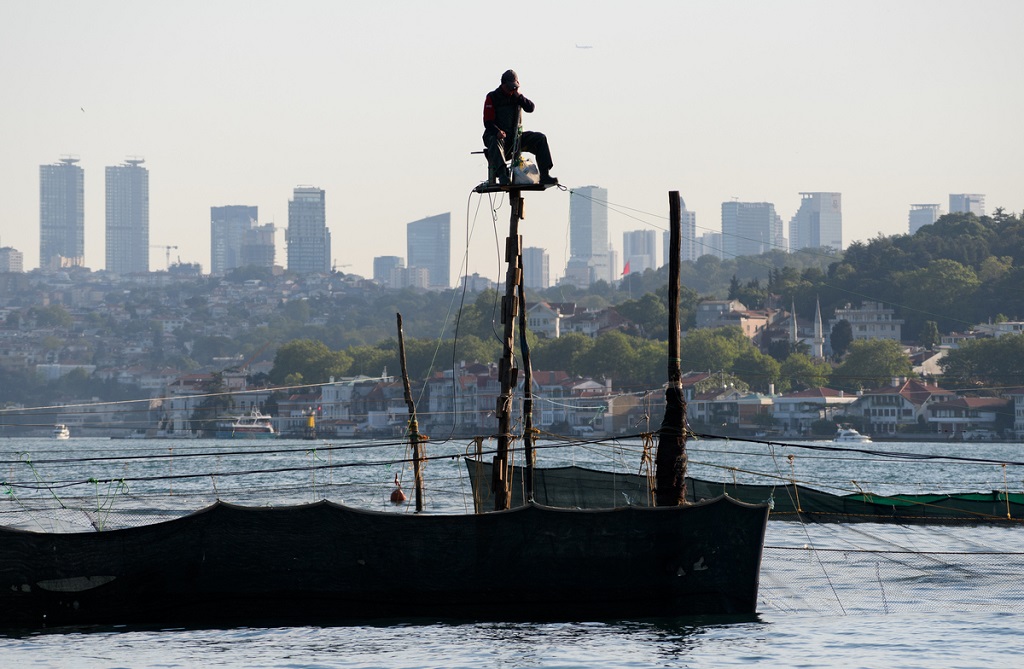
column 1000, row 329
column 1017, row 395
column 589, row 259
column 382, row 267
column 967, row 203
column 796, row 412
column 871, row 320
column 922, row 215
column 710, row 244
column 61, row 214
column 547, row 319
column 409, row 277
column 429, row 242
column 971, row 418
column 259, row 246
column 11, row 260
column 228, row 225
column 722, row 313
column 536, row 268
column 817, row 223
column 308, row 237
column 690, row 246
column 639, row 251
column 750, row 229
column 127, row 200
column 902, row 406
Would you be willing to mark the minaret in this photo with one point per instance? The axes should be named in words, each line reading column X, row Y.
column 792, row 324
column 818, row 349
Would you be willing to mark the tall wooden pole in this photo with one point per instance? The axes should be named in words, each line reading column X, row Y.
column 524, row 346
column 507, row 373
column 414, row 430
column 670, row 462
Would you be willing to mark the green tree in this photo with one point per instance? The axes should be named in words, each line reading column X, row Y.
column 871, row 363
column 930, row 336
column 563, row 354
column 308, row 361
column 710, row 350
column 760, row 371
column 612, row 356
column 841, row 337
column 986, row 362
column 800, row 372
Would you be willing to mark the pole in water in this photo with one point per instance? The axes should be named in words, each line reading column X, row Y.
column 670, row 461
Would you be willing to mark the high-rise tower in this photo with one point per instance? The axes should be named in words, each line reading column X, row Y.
column 818, row 222
column 429, row 245
column 922, row 215
column 237, row 240
column 308, row 239
column 963, row 203
column 750, row 229
column 61, row 214
column 127, row 194
column 588, row 237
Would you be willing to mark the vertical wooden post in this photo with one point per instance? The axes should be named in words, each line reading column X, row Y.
column 524, row 346
column 670, row 462
column 507, row 372
column 414, row 430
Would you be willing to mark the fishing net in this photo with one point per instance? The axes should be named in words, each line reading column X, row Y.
column 832, row 565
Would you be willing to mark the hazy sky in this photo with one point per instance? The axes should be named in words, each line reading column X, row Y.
column 379, row 103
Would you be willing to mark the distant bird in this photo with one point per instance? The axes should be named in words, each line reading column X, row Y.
column 82, row 108
column 584, row 46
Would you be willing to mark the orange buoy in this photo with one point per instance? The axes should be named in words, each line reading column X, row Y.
column 397, row 496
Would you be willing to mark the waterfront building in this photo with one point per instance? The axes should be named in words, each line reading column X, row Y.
column 817, row 223
column 430, row 247
column 307, row 237
column 61, row 214
column 750, row 229
column 127, row 219
column 922, row 215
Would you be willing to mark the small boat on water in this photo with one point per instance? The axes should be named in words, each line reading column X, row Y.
column 61, row 431
column 253, row 425
column 848, row 435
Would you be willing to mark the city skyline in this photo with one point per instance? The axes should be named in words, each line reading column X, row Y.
column 223, row 122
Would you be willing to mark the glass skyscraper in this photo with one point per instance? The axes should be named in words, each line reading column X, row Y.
column 818, row 222
column 430, row 247
column 309, row 240
column 127, row 193
column 61, row 214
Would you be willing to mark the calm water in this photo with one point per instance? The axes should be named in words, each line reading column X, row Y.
column 831, row 595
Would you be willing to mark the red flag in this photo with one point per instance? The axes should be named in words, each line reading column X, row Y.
column 625, row 270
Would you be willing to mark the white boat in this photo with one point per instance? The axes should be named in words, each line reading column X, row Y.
column 851, row 436
column 61, row 431
column 253, row 425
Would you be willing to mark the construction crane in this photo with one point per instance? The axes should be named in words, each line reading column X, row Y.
column 166, row 248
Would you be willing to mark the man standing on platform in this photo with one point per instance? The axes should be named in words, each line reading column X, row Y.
column 501, row 125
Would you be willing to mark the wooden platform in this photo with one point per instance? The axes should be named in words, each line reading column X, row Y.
column 485, row 187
